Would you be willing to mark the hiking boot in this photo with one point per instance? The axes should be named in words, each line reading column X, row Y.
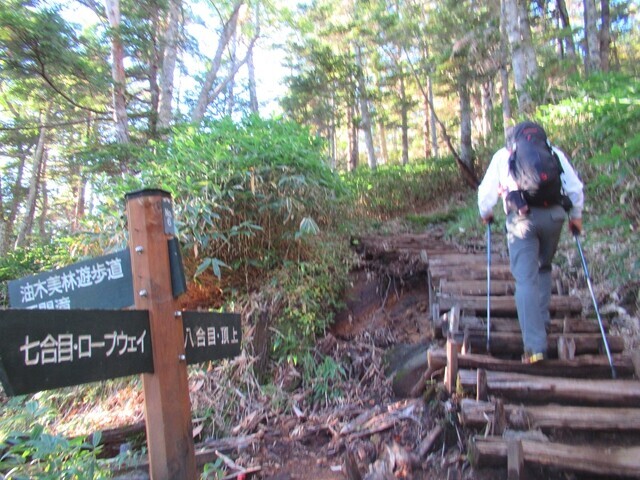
column 530, row 358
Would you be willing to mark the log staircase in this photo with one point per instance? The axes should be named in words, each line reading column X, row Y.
column 542, row 417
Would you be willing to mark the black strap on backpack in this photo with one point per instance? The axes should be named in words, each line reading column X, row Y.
column 535, row 166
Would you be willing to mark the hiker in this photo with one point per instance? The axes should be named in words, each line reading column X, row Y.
column 535, row 214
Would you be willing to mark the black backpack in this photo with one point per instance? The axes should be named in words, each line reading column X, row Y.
column 535, row 166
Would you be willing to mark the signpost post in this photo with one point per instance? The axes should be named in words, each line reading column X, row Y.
column 47, row 345
column 166, row 391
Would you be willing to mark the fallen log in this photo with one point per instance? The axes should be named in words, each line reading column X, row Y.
column 475, row 414
column 537, row 389
column 510, row 343
column 583, row 366
column 381, row 419
column 206, row 452
column 601, row 460
column 506, row 306
column 429, row 440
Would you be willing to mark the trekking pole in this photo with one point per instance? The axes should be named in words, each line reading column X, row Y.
column 576, row 234
column 489, row 286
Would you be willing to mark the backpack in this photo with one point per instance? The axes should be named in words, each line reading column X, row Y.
column 535, row 166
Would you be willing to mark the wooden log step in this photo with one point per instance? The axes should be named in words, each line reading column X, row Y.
column 610, row 461
column 503, row 324
column 474, row 413
column 479, row 287
column 454, row 259
column 583, row 366
column 476, row 287
column 470, row 272
column 506, row 306
column 538, row 389
column 510, row 343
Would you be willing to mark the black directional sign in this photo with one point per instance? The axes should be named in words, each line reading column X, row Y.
column 44, row 349
column 100, row 283
column 211, row 336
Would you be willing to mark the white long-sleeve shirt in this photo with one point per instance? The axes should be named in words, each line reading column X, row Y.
column 498, row 182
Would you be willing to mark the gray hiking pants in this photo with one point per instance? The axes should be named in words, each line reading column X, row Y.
column 533, row 240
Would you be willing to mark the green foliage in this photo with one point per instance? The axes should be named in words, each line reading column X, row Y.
column 28, row 451
column 22, row 262
column 309, row 295
column 247, row 195
column 424, row 221
column 214, row 470
column 393, row 189
column 323, row 377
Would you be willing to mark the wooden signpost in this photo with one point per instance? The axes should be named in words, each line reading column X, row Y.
column 48, row 345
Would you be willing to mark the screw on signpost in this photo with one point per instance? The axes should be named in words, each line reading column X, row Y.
column 167, row 405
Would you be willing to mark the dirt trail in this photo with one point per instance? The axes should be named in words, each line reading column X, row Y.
column 386, row 312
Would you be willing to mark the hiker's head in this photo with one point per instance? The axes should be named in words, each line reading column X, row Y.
column 529, row 129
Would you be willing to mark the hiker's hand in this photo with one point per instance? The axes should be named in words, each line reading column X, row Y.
column 575, row 226
column 487, row 219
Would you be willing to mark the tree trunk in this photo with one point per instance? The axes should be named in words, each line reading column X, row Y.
column 34, row 183
column 253, row 95
column 592, row 54
column 466, row 149
column 17, row 196
column 118, row 73
column 80, row 193
column 365, row 114
column 404, row 119
column 605, row 35
column 233, row 54
column 432, row 118
column 3, row 220
column 518, row 59
column 487, row 107
column 225, row 37
column 44, row 207
column 251, row 70
column 504, row 74
column 525, row 35
column 384, row 153
column 170, row 55
column 570, row 47
column 154, row 60
column 353, row 139
column 425, row 129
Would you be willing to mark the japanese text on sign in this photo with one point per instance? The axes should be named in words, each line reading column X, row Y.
column 87, row 276
column 65, row 347
column 100, row 283
column 210, row 336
